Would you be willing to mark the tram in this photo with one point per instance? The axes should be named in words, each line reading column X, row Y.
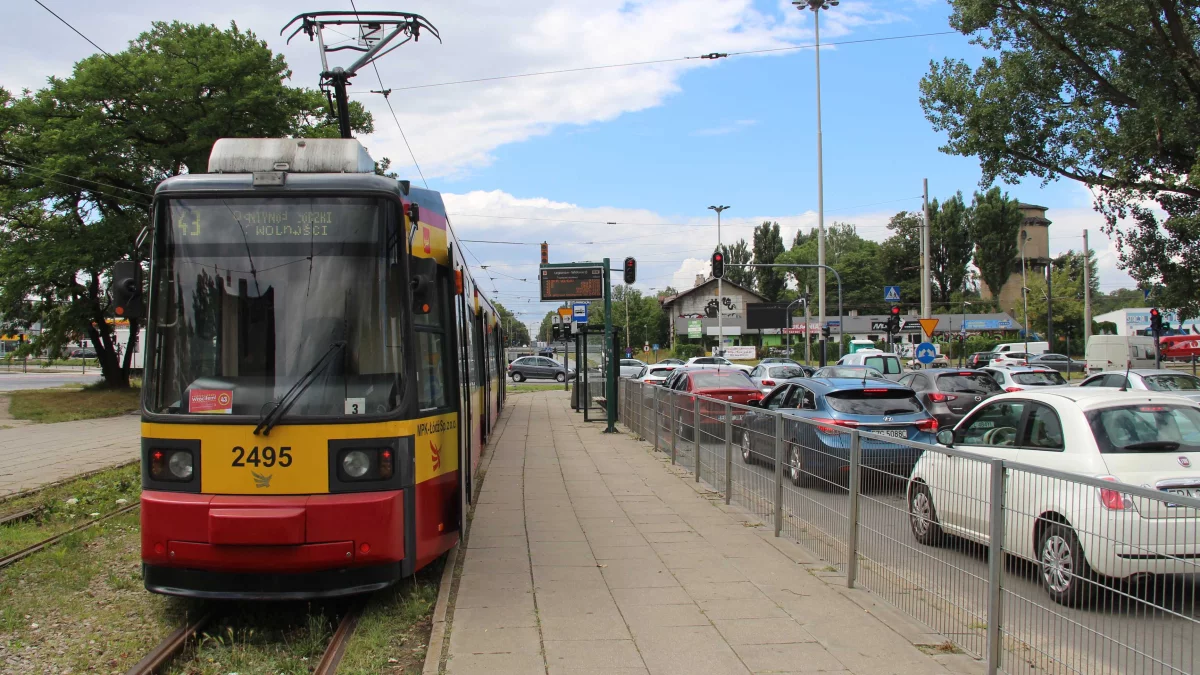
column 321, row 374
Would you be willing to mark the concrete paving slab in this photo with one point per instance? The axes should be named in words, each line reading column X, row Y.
column 33, row 455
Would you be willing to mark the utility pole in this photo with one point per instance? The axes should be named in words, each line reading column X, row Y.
column 926, row 292
column 1087, row 290
column 807, row 342
column 1049, row 303
column 1025, row 287
column 720, row 350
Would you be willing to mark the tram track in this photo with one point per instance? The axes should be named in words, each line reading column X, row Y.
column 50, row 541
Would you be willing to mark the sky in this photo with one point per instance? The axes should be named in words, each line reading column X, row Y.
column 561, row 157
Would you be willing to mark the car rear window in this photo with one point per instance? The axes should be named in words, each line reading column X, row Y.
column 785, row 372
column 968, row 383
column 661, row 372
column 888, row 365
column 1039, row 379
column 1172, row 383
column 1146, row 428
column 729, row 380
column 874, row 401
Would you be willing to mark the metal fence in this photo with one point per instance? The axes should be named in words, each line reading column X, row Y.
column 1090, row 575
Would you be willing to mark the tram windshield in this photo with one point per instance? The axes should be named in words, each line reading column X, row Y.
column 249, row 295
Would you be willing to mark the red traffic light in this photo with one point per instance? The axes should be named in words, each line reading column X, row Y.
column 895, row 311
column 717, row 257
column 1154, row 312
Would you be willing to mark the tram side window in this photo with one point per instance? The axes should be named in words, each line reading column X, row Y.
column 431, row 370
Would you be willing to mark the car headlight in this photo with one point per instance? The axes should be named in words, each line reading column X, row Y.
column 172, row 464
column 356, row 463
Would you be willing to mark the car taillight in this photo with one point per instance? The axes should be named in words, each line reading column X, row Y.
column 941, row 398
column 929, row 425
column 1011, row 389
column 768, row 383
column 829, row 426
column 1113, row 500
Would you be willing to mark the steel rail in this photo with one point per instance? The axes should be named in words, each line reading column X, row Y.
column 45, row 543
column 171, row 646
column 328, row 664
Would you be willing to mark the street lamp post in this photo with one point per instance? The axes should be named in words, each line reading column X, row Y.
column 720, row 351
column 815, row 6
column 962, row 329
column 1025, row 287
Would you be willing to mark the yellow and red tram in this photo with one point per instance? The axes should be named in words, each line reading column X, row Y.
column 321, row 375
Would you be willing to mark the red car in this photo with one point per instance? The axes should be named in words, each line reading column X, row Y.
column 723, row 384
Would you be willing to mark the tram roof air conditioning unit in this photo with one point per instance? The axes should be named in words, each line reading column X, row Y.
column 293, row 155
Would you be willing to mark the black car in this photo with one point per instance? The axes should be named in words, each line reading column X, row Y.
column 980, row 359
column 82, row 353
column 950, row 393
column 1059, row 362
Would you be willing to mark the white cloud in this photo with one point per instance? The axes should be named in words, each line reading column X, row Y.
column 736, row 126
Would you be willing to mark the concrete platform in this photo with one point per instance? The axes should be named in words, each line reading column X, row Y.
column 588, row 554
column 33, row 455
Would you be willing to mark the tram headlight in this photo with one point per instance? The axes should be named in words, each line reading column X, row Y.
column 180, row 465
column 356, row 464
column 171, row 464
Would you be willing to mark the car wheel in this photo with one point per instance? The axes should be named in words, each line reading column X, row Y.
column 747, row 455
column 1064, row 571
column 518, row 377
column 560, row 377
column 796, row 463
column 922, row 516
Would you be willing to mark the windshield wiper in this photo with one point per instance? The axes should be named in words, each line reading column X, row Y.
column 1153, row 445
column 272, row 416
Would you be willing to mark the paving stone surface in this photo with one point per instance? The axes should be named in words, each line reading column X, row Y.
column 36, row 454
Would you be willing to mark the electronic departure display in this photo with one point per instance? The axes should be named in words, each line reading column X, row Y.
column 585, row 282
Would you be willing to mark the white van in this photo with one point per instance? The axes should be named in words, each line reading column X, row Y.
column 884, row 362
column 1117, row 352
column 1035, row 348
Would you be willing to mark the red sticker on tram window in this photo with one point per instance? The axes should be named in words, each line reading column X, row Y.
column 210, row 401
column 425, row 239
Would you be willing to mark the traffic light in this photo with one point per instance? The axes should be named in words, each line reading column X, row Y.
column 127, row 289
column 545, row 253
column 718, row 265
column 825, row 331
column 1156, row 322
column 630, row 270
column 894, row 321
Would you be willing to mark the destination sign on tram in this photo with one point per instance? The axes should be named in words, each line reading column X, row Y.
column 585, row 282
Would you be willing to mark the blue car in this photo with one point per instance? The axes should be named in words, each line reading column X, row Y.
column 837, row 404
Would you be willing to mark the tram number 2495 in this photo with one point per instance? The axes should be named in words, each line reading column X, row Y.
column 268, row 456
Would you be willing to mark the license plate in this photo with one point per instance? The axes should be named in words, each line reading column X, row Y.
column 894, row 433
column 1184, row 492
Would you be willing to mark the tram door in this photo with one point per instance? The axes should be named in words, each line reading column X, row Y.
column 462, row 348
column 481, row 373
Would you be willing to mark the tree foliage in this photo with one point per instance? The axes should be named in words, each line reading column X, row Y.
column 900, row 256
column 517, row 332
column 950, row 248
column 855, row 259
column 1106, row 93
column 768, row 245
column 80, row 158
column 739, row 254
column 994, row 222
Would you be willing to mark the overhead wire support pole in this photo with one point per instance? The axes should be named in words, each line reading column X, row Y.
column 926, row 291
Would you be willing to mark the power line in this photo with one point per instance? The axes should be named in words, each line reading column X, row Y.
column 68, row 25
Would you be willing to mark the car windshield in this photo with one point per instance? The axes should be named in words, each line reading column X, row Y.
column 784, row 372
column 874, row 401
column 733, row 379
column 247, row 294
column 1146, row 428
column 1042, row 378
column 1172, row 382
column 968, row 383
column 884, row 364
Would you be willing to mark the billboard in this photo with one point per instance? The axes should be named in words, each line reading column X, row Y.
column 760, row 315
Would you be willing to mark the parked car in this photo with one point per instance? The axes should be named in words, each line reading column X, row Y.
column 884, row 362
column 1059, row 362
column 837, row 405
column 677, row 362
column 852, row 372
column 767, row 375
column 724, row 384
column 82, row 353
column 1148, row 379
column 1078, row 534
column 716, row 361
column 538, row 367
column 656, row 373
column 1113, row 352
column 778, row 359
column 949, row 393
column 980, row 359
column 1024, row 377
column 1009, row 360
column 1024, row 347
column 631, row 367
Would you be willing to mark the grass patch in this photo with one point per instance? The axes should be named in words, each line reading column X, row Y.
column 68, row 404
column 81, row 605
column 526, row 388
column 264, row 638
column 393, row 631
column 63, row 506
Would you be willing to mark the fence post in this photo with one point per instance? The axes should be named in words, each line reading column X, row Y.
column 696, row 436
column 995, row 565
column 778, row 473
column 728, row 452
column 673, row 430
column 852, row 524
column 657, row 421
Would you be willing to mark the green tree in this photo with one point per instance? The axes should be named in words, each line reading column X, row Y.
column 517, row 332
column 768, row 245
column 1106, row 93
column 900, row 256
column 1117, row 299
column 950, row 248
column 80, row 158
column 994, row 221
column 855, row 259
column 739, row 254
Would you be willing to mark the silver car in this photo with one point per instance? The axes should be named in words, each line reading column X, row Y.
column 1148, row 379
column 1020, row 378
column 538, row 368
column 767, row 376
column 631, row 367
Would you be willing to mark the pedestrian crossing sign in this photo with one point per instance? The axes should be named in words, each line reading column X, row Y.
column 891, row 294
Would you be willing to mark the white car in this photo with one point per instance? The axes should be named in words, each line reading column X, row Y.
column 715, row 361
column 1148, row 379
column 1077, row 534
column 1010, row 360
column 656, row 373
column 631, row 367
column 767, row 376
column 1022, row 378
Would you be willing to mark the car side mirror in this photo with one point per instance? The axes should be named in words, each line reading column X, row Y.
column 946, row 437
